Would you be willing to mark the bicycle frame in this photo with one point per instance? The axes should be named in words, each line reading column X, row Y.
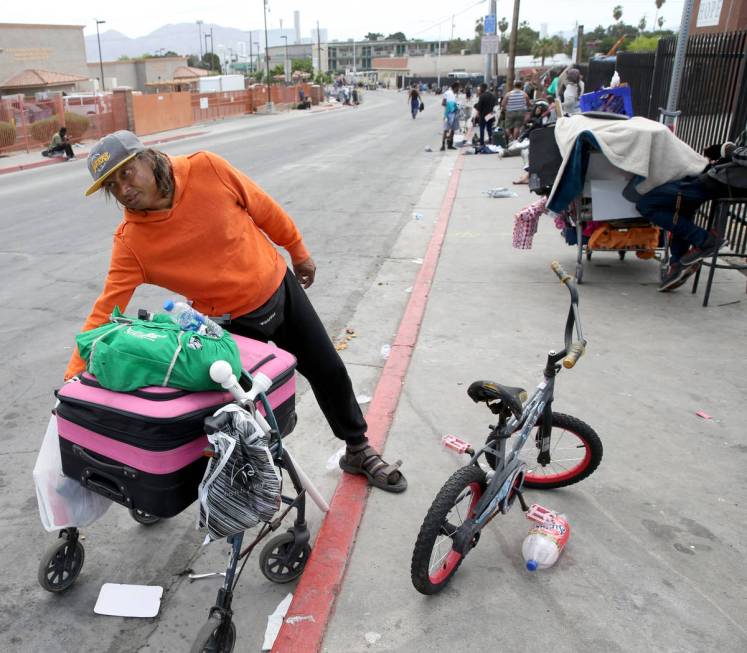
column 506, row 482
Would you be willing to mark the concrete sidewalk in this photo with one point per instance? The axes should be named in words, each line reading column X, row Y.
column 21, row 160
column 655, row 561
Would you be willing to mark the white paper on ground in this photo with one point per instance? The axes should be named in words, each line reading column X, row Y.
column 274, row 621
column 118, row 600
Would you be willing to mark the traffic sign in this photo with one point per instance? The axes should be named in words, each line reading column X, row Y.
column 489, row 24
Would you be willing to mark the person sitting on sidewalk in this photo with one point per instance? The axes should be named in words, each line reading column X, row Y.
column 485, row 108
column 201, row 228
column 60, row 143
column 515, row 104
column 451, row 116
column 673, row 205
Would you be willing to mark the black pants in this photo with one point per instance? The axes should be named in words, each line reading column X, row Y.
column 290, row 321
column 486, row 124
column 66, row 148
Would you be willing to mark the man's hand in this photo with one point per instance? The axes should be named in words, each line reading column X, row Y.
column 713, row 152
column 305, row 272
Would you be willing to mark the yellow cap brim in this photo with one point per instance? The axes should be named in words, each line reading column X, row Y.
column 100, row 181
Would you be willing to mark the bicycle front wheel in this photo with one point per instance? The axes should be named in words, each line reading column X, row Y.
column 434, row 561
column 575, row 452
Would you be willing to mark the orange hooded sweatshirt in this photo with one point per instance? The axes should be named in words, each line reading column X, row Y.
column 211, row 246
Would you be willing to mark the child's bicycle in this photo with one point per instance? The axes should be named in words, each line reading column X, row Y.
column 562, row 450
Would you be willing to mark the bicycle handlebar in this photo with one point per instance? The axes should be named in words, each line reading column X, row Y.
column 573, row 350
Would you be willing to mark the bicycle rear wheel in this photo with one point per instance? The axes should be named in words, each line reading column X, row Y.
column 434, row 561
column 575, row 452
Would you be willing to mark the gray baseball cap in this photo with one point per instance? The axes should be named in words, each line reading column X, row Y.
column 109, row 154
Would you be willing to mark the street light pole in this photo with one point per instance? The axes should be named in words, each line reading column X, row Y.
column 285, row 58
column 209, row 36
column 258, row 65
column 267, row 62
column 101, row 63
column 199, row 31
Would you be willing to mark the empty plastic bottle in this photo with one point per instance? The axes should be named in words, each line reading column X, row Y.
column 545, row 540
column 190, row 319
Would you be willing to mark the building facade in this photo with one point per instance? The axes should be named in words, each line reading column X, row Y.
column 359, row 55
column 715, row 16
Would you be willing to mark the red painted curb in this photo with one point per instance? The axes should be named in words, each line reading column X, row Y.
column 82, row 155
column 314, row 599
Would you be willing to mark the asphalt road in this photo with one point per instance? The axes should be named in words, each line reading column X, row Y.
column 349, row 177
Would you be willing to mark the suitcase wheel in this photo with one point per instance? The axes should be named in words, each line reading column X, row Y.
column 144, row 518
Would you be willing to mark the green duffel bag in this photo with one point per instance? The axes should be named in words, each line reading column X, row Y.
column 129, row 353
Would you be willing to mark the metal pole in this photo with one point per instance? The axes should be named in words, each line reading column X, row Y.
column 318, row 48
column 199, row 31
column 285, row 59
column 251, row 62
column 512, row 47
column 678, row 67
column 267, row 63
column 212, row 46
column 494, row 68
column 101, row 63
column 438, row 61
column 208, row 36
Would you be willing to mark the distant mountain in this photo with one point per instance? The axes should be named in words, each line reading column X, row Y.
column 182, row 38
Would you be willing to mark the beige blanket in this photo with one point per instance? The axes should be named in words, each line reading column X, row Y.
column 639, row 146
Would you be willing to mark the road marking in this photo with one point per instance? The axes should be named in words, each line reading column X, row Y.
column 322, row 579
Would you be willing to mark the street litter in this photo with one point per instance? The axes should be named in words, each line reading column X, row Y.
column 372, row 637
column 419, row 261
column 417, row 216
column 703, row 414
column 342, row 342
column 362, row 399
column 385, row 351
column 300, row 618
column 334, row 459
column 428, row 148
column 500, row 192
column 117, row 600
column 274, row 621
column 408, row 290
column 208, row 575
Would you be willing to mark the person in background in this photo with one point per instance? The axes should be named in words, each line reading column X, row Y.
column 574, row 89
column 485, row 108
column 201, row 228
column 60, row 143
column 468, row 92
column 451, row 116
column 415, row 101
column 515, row 104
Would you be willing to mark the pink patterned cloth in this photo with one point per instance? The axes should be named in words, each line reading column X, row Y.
column 525, row 224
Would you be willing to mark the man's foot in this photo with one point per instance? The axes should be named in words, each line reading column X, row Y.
column 443, row 148
column 676, row 275
column 364, row 459
column 451, row 147
column 711, row 245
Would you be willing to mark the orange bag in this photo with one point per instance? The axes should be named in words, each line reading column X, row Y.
column 642, row 239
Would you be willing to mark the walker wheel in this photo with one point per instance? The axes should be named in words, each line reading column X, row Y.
column 275, row 561
column 215, row 636
column 144, row 518
column 60, row 565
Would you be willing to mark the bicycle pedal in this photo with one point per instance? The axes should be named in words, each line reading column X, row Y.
column 456, row 444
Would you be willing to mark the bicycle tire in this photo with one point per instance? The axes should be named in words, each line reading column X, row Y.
column 426, row 579
column 559, row 473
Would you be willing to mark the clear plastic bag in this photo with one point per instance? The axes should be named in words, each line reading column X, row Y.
column 63, row 502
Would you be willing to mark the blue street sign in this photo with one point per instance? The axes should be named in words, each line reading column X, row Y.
column 490, row 24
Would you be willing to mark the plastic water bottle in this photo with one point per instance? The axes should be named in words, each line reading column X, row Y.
column 190, row 319
column 545, row 540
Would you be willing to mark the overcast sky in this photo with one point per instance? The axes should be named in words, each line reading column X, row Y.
column 342, row 18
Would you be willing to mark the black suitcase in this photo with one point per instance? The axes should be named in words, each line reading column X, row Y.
column 544, row 159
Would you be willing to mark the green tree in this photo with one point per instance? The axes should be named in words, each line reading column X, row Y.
column 642, row 25
column 304, row 65
column 373, row 36
column 660, row 22
column 123, row 57
column 643, row 44
column 526, row 37
column 503, row 26
column 542, row 49
column 455, row 46
column 397, row 36
column 480, row 27
column 211, row 61
column 617, row 12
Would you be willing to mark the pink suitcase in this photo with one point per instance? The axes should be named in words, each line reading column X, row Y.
column 143, row 449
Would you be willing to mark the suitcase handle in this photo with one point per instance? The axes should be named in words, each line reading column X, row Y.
column 122, row 470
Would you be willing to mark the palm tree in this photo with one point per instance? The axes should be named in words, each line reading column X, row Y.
column 660, row 22
column 658, row 4
column 542, row 49
column 617, row 12
column 480, row 26
column 503, row 25
column 642, row 24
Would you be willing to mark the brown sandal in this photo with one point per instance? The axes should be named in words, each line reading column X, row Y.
column 364, row 459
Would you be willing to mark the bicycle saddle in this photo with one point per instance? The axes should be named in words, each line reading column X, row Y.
column 490, row 391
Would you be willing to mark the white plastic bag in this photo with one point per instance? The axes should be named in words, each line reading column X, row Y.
column 63, row 502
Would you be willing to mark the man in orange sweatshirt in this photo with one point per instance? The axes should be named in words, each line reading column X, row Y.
column 198, row 227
